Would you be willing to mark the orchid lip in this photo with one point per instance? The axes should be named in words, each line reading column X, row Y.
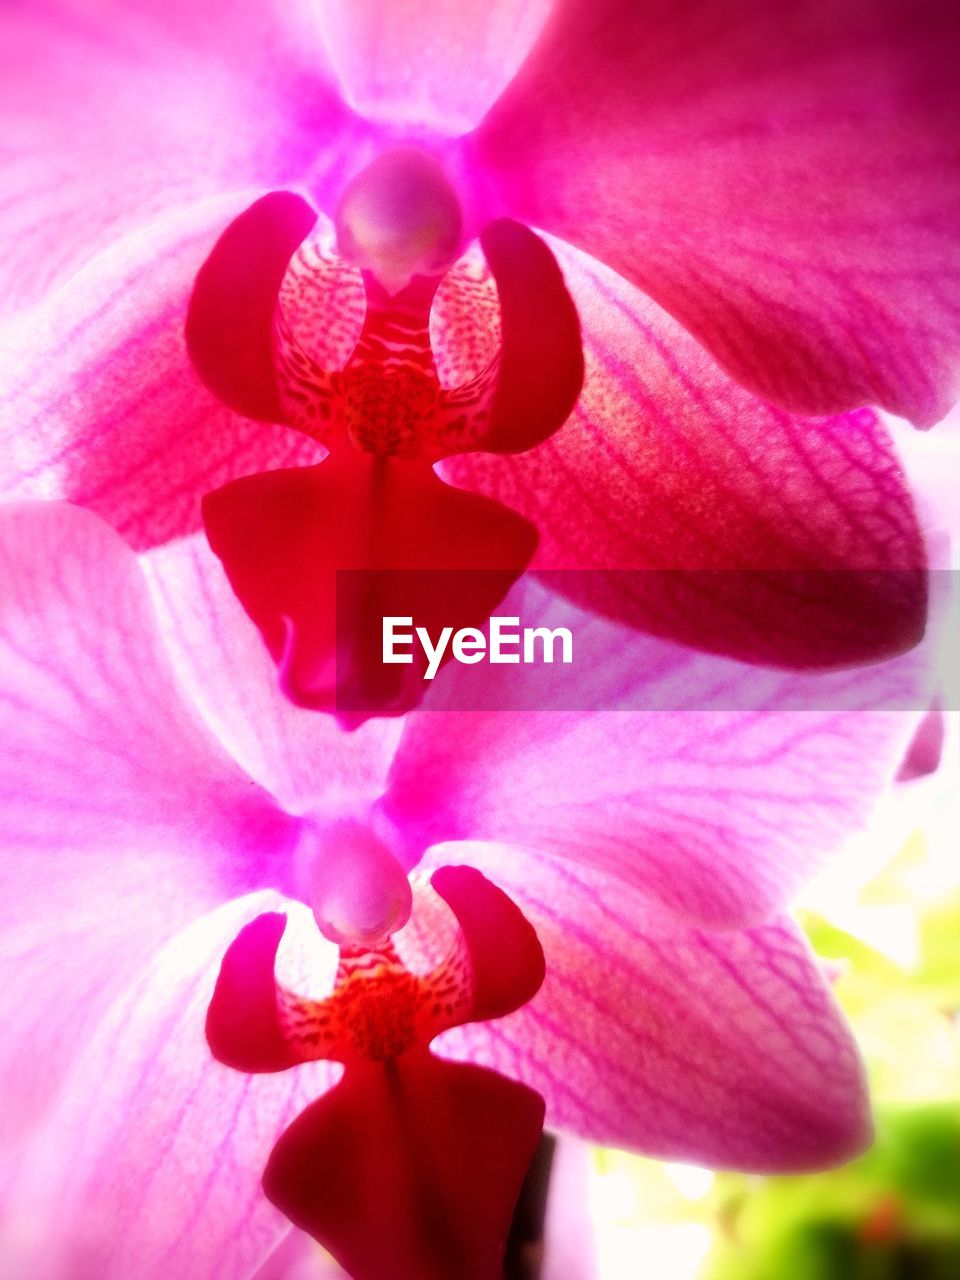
column 406, row 1140
column 285, row 535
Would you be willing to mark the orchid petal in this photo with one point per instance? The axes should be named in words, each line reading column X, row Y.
column 668, row 465
column 710, row 786
column 409, row 1169
column 721, row 1048
column 166, row 1146
column 925, row 751
column 300, row 1258
column 302, row 758
column 87, row 682
column 785, row 183
column 437, row 63
column 121, row 817
column 102, row 405
column 319, row 556
column 116, row 117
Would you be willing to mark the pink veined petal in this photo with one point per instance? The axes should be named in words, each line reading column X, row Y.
column 101, row 403
column 115, row 115
column 120, row 817
column 784, row 180
column 721, row 1048
column 151, row 1165
column 434, row 63
column 710, row 786
column 667, row 464
column 300, row 756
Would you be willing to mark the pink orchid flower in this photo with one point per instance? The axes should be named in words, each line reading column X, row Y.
column 754, row 212
column 164, row 805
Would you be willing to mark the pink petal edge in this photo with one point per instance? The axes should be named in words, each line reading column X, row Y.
column 720, row 1048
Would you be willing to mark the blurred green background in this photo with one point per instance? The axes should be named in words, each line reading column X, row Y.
column 894, row 1214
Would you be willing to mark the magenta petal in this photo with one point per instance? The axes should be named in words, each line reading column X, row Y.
column 712, row 787
column 797, row 538
column 150, row 1167
column 721, row 1048
column 101, row 404
column 87, row 682
column 230, row 320
column 430, row 63
column 409, row 1170
column 121, row 818
column 303, row 759
column 785, row 182
column 118, row 114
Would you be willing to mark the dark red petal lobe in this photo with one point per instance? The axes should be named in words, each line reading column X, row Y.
column 926, row 750
column 283, row 535
column 541, row 361
column 243, row 1029
column 506, row 959
column 409, row 1170
column 230, row 319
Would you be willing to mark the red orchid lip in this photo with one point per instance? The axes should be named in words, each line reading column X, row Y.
column 409, row 1168
column 375, row 504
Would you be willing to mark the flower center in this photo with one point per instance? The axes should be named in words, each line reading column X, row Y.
column 376, row 1004
column 400, row 217
column 339, row 344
